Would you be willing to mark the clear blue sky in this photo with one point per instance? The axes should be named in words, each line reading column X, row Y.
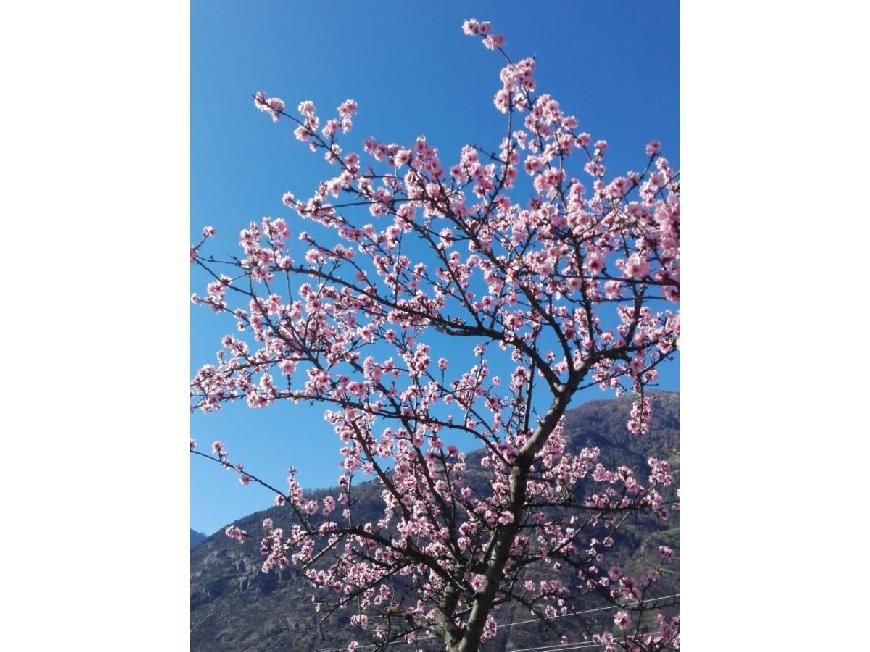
column 615, row 65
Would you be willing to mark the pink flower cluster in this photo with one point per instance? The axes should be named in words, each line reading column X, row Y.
column 274, row 106
column 235, row 533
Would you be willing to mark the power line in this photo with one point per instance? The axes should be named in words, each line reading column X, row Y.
column 560, row 647
column 554, row 647
column 589, row 611
column 563, row 647
column 523, row 622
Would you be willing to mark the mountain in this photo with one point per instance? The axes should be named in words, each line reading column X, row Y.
column 234, row 606
column 196, row 538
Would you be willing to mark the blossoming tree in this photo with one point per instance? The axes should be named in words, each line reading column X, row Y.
column 575, row 286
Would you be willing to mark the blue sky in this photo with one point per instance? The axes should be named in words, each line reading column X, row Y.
column 615, row 65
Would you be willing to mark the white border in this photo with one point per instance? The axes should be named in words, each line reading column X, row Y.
column 95, row 144
column 774, row 135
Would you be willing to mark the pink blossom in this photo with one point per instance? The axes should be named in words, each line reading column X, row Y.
column 348, row 108
column 636, row 267
column 621, row 619
column 235, row 533
column 471, row 27
column 493, row 41
column 274, row 106
column 478, row 582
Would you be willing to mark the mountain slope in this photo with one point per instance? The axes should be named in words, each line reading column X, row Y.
column 196, row 538
column 235, row 606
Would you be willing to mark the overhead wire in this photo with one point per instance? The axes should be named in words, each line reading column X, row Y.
column 523, row 622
